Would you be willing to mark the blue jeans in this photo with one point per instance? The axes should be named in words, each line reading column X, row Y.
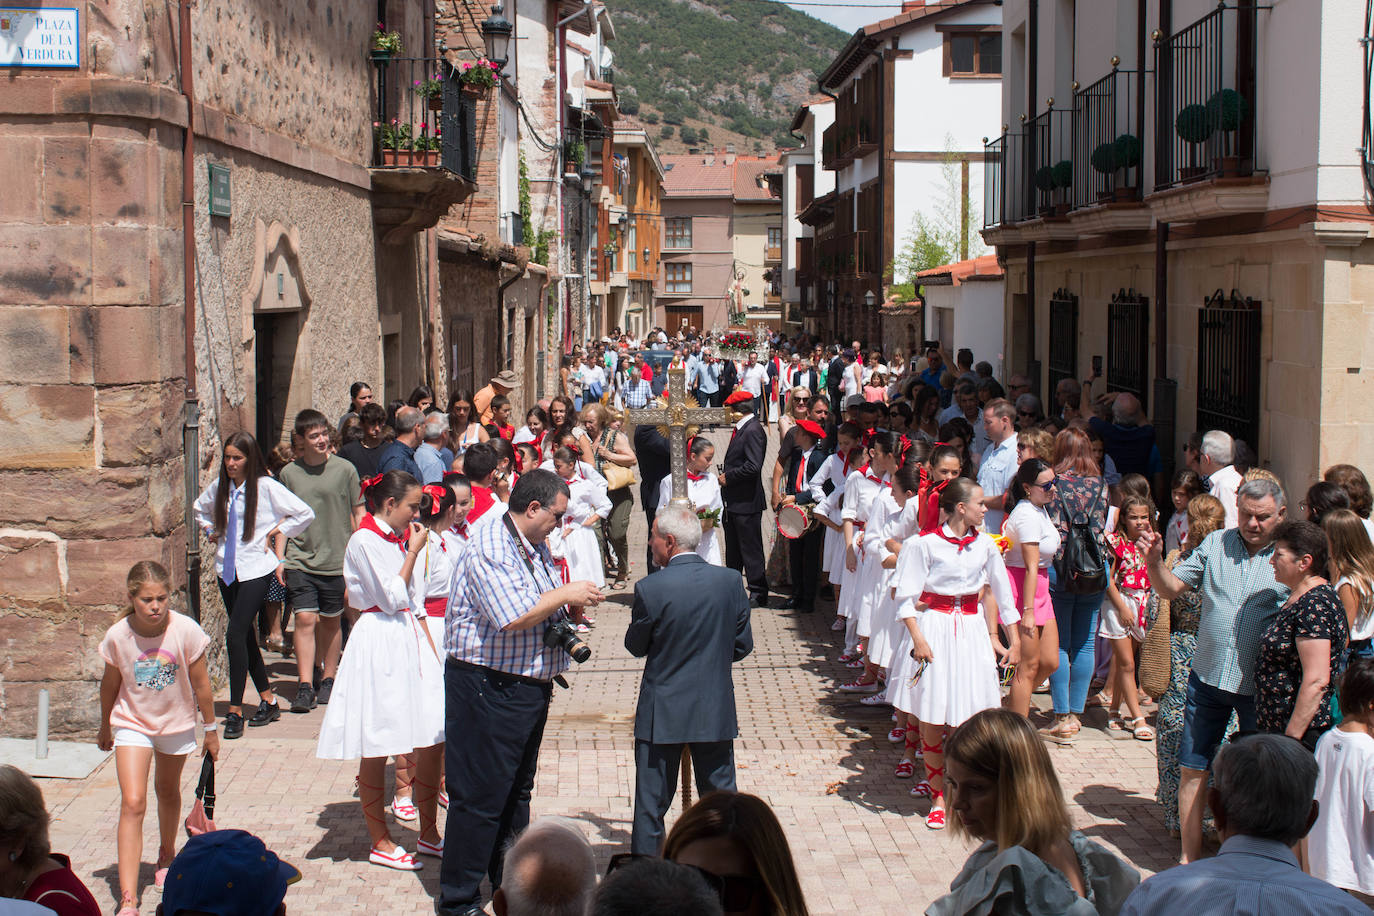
column 1076, row 616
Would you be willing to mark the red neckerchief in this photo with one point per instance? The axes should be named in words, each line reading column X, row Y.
column 878, row 480
column 370, row 524
column 460, row 529
column 482, row 500
column 695, row 477
column 962, row 542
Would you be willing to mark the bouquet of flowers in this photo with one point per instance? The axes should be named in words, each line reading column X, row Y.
column 480, row 73
column 709, row 518
column 1002, row 541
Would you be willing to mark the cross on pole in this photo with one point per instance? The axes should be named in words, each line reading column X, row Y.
column 677, row 416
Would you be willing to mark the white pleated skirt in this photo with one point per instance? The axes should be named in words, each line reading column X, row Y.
column 871, row 580
column 584, row 556
column 848, row 605
column 386, row 700
column 961, row 678
column 886, row 631
column 832, row 555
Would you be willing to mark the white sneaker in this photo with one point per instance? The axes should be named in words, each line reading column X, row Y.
column 878, row 699
column 838, row 625
column 857, row 686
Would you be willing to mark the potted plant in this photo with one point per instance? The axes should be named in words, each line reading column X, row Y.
column 574, row 153
column 1044, row 180
column 386, row 45
column 1194, row 127
column 393, row 138
column 1127, row 156
column 477, row 76
column 426, row 149
column 1225, row 110
column 1103, row 162
column 432, row 91
column 1063, row 181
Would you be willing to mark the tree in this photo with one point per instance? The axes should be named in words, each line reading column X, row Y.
column 689, row 136
column 940, row 235
column 629, row 104
column 666, row 131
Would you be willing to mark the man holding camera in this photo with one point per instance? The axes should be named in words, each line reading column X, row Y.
column 690, row 621
column 507, row 638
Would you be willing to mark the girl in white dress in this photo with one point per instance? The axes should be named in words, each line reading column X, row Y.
column 574, row 543
column 439, row 512
column 456, row 535
column 940, row 576
column 381, row 706
column 835, row 469
column 863, row 486
column 703, row 489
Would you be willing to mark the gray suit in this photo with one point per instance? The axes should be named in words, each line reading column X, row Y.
column 691, row 620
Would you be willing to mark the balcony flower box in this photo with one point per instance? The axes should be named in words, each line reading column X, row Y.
column 413, row 159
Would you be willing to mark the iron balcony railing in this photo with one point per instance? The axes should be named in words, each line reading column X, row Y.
column 1007, row 190
column 1205, row 107
column 1107, row 153
column 424, row 118
column 847, row 255
column 1049, row 161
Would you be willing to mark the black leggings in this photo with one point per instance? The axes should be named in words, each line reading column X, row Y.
column 242, row 602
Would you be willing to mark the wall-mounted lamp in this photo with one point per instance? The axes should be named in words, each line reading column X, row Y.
column 496, row 35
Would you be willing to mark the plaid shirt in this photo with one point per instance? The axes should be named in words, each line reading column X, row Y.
column 1239, row 599
column 491, row 587
column 637, row 392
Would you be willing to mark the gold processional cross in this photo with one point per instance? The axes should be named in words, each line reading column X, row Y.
column 679, row 422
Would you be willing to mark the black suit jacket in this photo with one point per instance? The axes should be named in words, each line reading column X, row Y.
column 691, row 620
column 743, row 490
column 655, row 463
column 789, row 480
column 811, row 381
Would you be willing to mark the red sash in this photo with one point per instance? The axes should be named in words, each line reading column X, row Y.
column 436, row 607
column 963, row 604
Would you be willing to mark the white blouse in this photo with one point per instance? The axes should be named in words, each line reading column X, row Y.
column 832, row 469
column 1030, row 524
column 277, row 508
column 861, row 490
column 586, row 497
column 436, row 563
column 929, row 563
column 704, row 494
column 372, row 574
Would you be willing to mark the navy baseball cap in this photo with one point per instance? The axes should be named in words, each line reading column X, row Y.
column 228, row 873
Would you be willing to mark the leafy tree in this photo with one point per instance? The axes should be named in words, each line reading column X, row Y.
column 938, row 235
column 666, row 131
column 629, row 104
column 689, row 136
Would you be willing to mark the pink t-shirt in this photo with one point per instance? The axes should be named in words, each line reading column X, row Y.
column 155, row 694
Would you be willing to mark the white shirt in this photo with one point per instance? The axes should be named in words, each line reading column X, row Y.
column 833, row 469
column 850, row 383
column 435, row 565
column 593, row 375
column 586, row 497
column 1176, row 532
column 1030, row 524
column 372, row 574
column 1364, row 619
column 1223, row 484
column 929, row 563
column 995, row 474
column 862, row 489
column 277, row 508
column 752, row 379
column 704, row 494
column 1340, row 847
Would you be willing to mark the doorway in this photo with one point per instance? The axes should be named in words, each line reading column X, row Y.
column 275, row 335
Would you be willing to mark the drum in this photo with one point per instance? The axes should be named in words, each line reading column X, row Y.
column 794, row 521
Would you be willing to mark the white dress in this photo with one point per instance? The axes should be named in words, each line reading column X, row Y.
column 871, row 579
column 380, row 707
column 435, row 567
column 961, row 678
column 889, row 634
column 574, row 542
column 704, row 493
column 835, row 469
column 860, row 491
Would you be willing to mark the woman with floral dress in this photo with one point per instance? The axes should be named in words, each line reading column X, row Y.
column 1205, row 515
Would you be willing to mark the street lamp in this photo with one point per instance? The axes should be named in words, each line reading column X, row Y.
column 869, row 298
column 588, row 177
column 496, row 34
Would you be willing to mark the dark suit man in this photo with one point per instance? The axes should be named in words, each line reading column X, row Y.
column 804, row 553
column 741, row 489
column 655, row 463
column 809, row 379
column 690, row 620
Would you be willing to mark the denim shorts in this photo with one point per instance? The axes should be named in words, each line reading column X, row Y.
column 1206, row 713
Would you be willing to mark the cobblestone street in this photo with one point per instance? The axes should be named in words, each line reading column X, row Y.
column 818, row 757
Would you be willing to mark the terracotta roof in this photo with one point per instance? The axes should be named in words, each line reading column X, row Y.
column 748, row 172
column 982, row 268
column 694, row 176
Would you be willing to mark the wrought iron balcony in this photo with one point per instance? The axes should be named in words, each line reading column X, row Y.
column 1007, row 191
column 848, row 255
column 1206, row 99
column 1107, row 153
column 1048, row 139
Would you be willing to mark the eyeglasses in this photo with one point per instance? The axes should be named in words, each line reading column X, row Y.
column 1048, row 486
column 1025, row 413
column 736, row 892
column 557, row 516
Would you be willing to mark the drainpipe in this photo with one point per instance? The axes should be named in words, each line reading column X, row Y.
column 501, row 323
column 1032, row 364
column 190, row 429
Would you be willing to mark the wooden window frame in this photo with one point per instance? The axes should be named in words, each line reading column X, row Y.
column 974, row 32
column 674, row 287
column 668, row 237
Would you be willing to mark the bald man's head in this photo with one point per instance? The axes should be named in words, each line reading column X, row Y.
column 549, row 870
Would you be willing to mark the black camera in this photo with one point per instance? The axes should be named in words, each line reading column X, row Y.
column 562, row 635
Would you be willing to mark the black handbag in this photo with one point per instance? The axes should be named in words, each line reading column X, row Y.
column 1081, row 567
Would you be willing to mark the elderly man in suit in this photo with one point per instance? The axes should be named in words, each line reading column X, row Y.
column 741, row 488
column 690, row 622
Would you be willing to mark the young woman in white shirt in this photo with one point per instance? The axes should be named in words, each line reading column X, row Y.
column 954, row 635
column 383, row 705
column 1352, row 572
column 1034, row 540
column 241, row 513
column 574, row 542
column 704, row 492
column 835, row 469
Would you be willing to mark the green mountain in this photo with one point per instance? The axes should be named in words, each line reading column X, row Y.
column 737, row 69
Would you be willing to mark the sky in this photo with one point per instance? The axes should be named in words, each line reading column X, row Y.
column 848, row 15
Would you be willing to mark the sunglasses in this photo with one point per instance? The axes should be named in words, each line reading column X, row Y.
column 736, row 892
column 1047, row 486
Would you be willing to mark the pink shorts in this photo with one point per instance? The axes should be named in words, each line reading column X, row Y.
column 1044, row 609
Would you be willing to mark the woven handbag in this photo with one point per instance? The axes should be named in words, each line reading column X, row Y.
column 1156, row 660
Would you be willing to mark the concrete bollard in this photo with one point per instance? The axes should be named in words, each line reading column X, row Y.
column 41, row 751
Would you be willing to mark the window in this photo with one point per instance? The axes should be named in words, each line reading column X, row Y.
column 677, row 232
column 631, row 250
column 774, row 236
column 973, row 54
column 679, row 277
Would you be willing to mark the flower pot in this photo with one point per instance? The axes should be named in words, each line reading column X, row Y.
column 1191, row 173
column 1226, row 166
column 1124, row 195
column 410, row 159
column 380, row 57
column 435, row 103
column 474, row 91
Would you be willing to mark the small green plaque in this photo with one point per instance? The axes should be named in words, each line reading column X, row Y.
column 219, row 190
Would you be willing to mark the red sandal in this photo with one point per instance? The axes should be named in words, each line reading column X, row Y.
column 905, row 770
column 935, row 820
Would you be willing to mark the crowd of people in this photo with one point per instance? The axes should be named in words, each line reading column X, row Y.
column 441, row 567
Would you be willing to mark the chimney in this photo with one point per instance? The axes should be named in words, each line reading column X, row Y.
column 709, row 158
column 909, row 5
column 729, row 154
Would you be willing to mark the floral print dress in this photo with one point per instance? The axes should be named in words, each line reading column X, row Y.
column 1318, row 614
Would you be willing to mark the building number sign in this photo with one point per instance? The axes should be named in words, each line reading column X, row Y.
column 39, row 37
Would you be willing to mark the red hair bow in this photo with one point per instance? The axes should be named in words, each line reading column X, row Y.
column 436, row 493
column 369, row 483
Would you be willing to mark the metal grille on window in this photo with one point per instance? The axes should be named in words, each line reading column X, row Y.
column 1128, row 344
column 1228, row 365
column 1063, row 357
column 458, row 143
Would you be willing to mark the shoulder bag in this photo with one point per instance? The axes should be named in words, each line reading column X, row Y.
column 616, row 476
column 202, row 816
